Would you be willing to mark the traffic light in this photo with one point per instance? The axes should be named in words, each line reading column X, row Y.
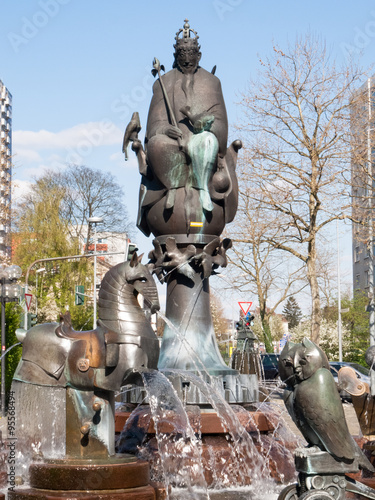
column 240, row 325
column 245, row 323
column 249, row 320
column 132, row 247
column 80, row 295
column 32, row 320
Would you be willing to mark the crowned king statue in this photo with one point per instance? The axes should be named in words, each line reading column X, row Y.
column 188, row 193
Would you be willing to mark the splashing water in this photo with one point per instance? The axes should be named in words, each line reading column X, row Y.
column 34, row 439
column 244, row 464
column 179, row 450
column 183, row 460
column 197, row 363
column 250, row 465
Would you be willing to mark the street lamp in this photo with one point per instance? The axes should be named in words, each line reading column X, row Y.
column 9, row 292
column 95, row 221
column 40, row 270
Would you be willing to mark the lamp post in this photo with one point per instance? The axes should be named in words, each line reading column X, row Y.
column 9, row 292
column 40, row 270
column 339, row 325
column 95, row 221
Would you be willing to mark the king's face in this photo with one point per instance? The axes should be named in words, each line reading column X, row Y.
column 188, row 57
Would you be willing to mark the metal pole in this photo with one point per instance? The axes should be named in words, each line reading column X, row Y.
column 26, row 291
column 94, row 297
column 50, row 259
column 41, row 270
column 3, row 341
column 339, row 330
column 36, row 294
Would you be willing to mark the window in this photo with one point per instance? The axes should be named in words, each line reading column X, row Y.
column 356, row 254
column 357, row 280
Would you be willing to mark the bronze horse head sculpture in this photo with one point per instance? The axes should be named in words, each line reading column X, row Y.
column 107, row 357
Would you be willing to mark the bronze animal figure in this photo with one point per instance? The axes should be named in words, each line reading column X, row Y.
column 105, row 358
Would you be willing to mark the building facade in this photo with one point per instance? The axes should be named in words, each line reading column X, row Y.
column 363, row 175
column 5, row 171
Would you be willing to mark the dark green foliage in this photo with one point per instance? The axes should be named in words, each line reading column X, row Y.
column 12, row 322
column 267, row 336
column 82, row 317
column 292, row 312
column 357, row 321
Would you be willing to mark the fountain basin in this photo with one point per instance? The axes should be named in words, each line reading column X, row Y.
column 117, row 477
column 222, row 460
column 209, row 423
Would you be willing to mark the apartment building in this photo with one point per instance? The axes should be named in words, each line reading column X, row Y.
column 5, row 170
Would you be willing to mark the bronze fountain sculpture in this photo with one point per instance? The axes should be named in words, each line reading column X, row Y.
column 188, row 193
column 313, row 401
column 72, row 377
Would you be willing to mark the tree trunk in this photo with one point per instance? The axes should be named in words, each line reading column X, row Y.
column 267, row 335
column 315, row 295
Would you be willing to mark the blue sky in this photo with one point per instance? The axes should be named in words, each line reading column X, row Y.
column 77, row 69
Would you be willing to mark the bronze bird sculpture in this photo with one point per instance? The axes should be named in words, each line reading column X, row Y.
column 131, row 133
column 200, row 122
column 313, row 401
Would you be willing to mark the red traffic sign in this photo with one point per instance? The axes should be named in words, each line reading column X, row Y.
column 28, row 297
column 245, row 306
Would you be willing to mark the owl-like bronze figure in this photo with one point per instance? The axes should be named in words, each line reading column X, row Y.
column 314, row 403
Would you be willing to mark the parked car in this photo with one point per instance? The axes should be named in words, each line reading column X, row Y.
column 361, row 372
column 270, row 364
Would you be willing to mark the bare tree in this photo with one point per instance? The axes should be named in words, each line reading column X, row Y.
column 259, row 268
column 298, row 148
column 92, row 193
column 219, row 320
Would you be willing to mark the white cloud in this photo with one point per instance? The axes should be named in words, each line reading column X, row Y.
column 26, row 155
column 94, row 133
column 71, row 145
column 55, row 158
column 32, row 172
